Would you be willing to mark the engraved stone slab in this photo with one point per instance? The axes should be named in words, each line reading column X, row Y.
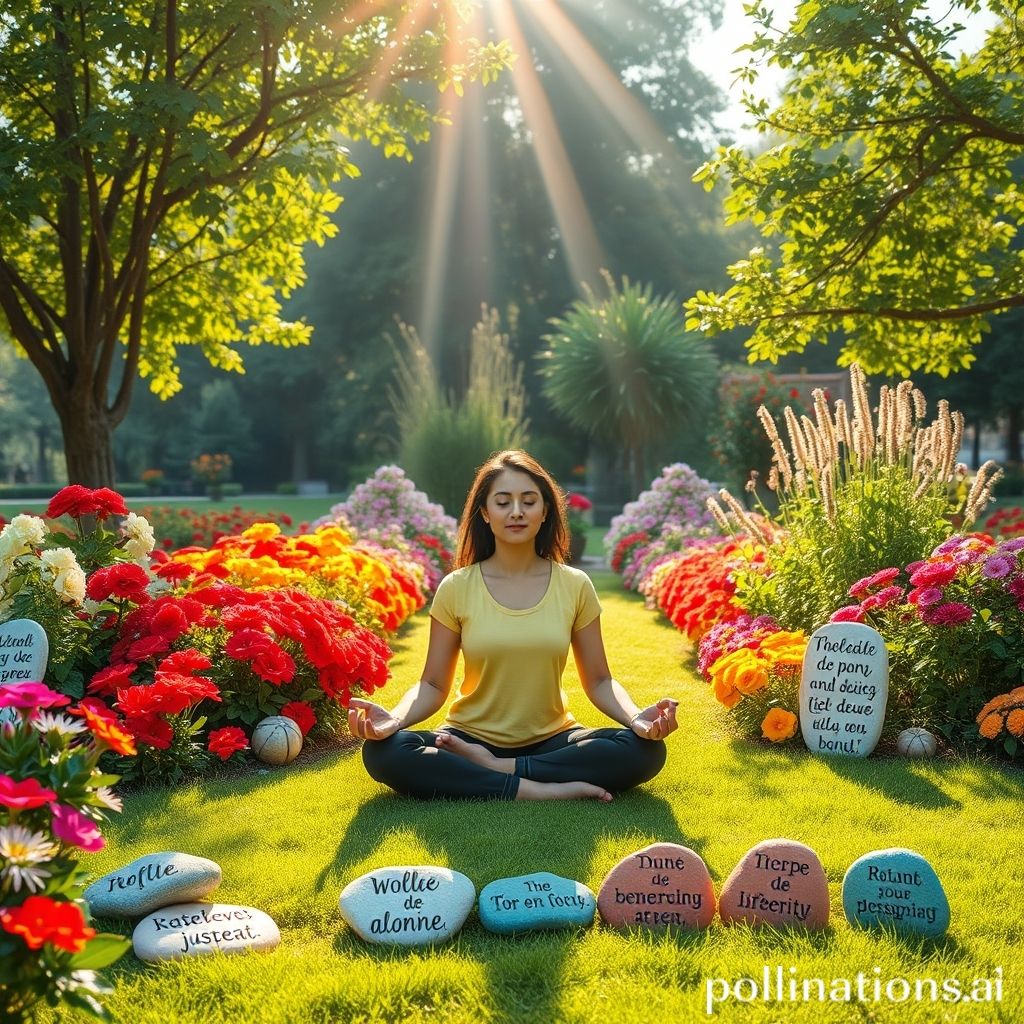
column 156, row 880
column 844, row 689
column 408, row 905
column 535, row 902
column 779, row 882
column 198, row 929
column 660, row 886
column 24, row 650
column 898, row 888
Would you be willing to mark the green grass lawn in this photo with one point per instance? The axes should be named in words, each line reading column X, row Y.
column 290, row 839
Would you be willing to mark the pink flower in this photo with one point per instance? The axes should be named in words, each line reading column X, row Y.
column 934, row 574
column 848, row 613
column 24, row 795
column 924, row 597
column 75, row 828
column 30, row 696
column 878, row 579
column 884, row 597
column 996, row 567
column 951, row 614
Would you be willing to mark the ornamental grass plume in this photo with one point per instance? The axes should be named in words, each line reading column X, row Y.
column 856, row 492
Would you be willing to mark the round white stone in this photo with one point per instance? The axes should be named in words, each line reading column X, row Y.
column 276, row 740
column 407, row 906
column 916, row 742
column 199, row 929
column 153, row 881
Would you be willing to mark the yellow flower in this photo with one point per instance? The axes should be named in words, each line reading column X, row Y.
column 991, row 726
column 261, row 531
column 725, row 693
column 778, row 725
column 741, row 670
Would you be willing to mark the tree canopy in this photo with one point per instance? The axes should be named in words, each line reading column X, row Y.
column 890, row 210
column 162, row 166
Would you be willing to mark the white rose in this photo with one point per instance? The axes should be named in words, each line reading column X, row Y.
column 59, row 560
column 11, row 546
column 29, row 530
column 141, row 540
column 70, row 585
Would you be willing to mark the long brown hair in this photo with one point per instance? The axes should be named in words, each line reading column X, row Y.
column 476, row 541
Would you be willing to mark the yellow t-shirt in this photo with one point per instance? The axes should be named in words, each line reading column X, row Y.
column 511, row 692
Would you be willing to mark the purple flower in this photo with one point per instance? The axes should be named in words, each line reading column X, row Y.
column 996, row 567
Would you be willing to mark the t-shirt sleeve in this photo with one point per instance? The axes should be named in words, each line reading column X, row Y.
column 444, row 607
column 588, row 607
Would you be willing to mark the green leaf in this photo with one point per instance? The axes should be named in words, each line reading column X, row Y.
column 101, row 951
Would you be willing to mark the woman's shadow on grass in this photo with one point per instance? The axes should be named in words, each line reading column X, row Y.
column 488, row 840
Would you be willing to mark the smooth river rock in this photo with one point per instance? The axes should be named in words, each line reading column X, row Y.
column 198, row 929
column 156, row 880
column 780, row 883
column 844, row 688
column 408, row 905
column 896, row 888
column 662, row 885
column 539, row 901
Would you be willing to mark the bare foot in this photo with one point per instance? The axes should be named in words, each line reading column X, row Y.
column 530, row 790
column 476, row 753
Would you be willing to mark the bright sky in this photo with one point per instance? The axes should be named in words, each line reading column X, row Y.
column 714, row 53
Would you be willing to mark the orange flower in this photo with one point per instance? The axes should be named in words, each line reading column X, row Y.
column 741, row 670
column 726, row 694
column 107, row 730
column 1015, row 722
column 778, row 725
column 991, row 726
column 993, row 705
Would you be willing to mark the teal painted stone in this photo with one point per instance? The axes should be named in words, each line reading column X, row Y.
column 541, row 901
column 896, row 888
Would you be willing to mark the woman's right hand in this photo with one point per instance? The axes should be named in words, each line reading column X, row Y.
column 369, row 721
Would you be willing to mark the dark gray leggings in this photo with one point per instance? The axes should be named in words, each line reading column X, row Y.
column 411, row 764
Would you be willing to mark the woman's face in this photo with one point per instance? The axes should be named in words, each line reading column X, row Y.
column 514, row 507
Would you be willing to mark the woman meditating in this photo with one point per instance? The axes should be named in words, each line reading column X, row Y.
column 513, row 608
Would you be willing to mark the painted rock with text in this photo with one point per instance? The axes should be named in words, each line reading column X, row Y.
column 896, row 888
column 407, row 905
column 844, row 688
column 540, row 901
column 199, row 929
column 663, row 885
column 24, row 650
column 779, row 882
column 156, row 880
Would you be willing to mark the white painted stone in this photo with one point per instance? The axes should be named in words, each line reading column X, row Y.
column 276, row 740
column 156, row 880
column 24, row 650
column 844, row 689
column 916, row 742
column 407, row 906
column 198, row 929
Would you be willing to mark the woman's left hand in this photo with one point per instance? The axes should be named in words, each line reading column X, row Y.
column 657, row 721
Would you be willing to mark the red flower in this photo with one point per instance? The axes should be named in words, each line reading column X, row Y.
column 122, row 580
column 39, row 920
column 187, row 661
column 147, row 647
column 74, row 500
column 108, row 503
column 173, row 572
column 301, row 714
column 24, row 795
column 151, row 730
column 108, row 681
column 169, row 622
column 247, row 643
column 275, row 665
column 225, row 742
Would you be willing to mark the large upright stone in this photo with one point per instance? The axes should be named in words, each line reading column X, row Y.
column 198, row 929
column 662, row 885
column 535, row 902
column 896, row 888
column 780, row 883
column 24, row 650
column 844, row 689
column 407, row 906
column 156, row 880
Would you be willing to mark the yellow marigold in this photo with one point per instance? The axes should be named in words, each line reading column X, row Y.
column 778, row 725
column 1015, row 722
column 741, row 670
column 991, row 726
column 993, row 705
column 725, row 694
column 261, row 531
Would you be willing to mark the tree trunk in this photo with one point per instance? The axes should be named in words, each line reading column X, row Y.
column 1013, row 426
column 976, row 445
column 88, row 435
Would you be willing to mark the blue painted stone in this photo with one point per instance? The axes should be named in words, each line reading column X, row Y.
column 534, row 902
column 895, row 888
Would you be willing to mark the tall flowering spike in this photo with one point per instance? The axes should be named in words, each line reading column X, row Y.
column 779, row 454
column 826, row 428
column 843, row 431
column 796, row 439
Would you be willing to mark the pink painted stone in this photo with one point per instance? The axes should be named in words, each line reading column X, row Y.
column 779, row 882
column 660, row 886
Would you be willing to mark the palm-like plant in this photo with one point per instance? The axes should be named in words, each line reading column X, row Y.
column 625, row 370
